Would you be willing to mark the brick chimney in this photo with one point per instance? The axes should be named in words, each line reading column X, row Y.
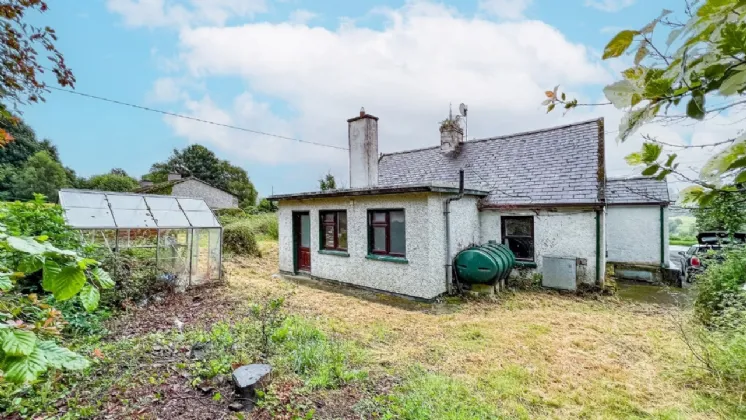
column 362, row 132
column 451, row 134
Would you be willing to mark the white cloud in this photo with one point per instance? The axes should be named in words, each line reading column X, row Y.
column 426, row 57
column 302, row 16
column 505, row 9
column 160, row 13
column 609, row 5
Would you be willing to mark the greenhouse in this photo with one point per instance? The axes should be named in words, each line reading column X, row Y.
column 180, row 235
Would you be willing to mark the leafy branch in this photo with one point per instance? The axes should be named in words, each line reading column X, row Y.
column 708, row 61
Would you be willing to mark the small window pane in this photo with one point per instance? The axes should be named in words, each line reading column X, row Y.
column 523, row 248
column 329, row 236
column 329, row 218
column 342, row 230
column 518, row 227
column 305, row 229
column 379, row 217
column 379, row 239
column 398, row 241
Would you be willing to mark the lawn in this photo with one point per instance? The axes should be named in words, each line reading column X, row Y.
column 343, row 353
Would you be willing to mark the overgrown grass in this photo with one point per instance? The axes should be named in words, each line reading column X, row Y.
column 682, row 241
column 303, row 351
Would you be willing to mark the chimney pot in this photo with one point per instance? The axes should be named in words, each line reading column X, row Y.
column 362, row 111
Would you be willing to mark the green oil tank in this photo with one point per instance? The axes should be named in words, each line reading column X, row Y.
column 484, row 264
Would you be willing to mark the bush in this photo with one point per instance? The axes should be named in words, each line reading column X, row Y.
column 720, row 287
column 136, row 278
column 239, row 238
column 37, row 218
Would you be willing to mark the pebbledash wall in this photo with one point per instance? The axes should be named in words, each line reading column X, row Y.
column 635, row 234
column 567, row 233
column 422, row 276
column 215, row 198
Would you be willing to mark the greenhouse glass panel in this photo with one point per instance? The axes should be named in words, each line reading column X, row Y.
column 191, row 204
column 202, row 219
column 82, row 218
column 134, row 218
column 83, row 199
column 129, row 202
column 163, row 203
column 168, row 218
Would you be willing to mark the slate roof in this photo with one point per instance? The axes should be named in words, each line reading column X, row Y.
column 636, row 191
column 554, row 166
column 162, row 187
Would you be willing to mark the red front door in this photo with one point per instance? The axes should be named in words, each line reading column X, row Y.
column 302, row 228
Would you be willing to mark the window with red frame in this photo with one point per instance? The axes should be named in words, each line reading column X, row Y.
column 386, row 233
column 334, row 230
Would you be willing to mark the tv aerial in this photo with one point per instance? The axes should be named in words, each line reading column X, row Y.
column 463, row 109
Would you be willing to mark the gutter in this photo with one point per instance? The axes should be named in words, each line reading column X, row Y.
column 599, row 281
column 447, row 215
column 663, row 240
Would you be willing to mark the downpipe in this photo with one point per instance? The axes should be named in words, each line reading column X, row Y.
column 447, row 215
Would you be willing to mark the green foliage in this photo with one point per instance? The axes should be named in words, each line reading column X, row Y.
column 270, row 316
column 323, row 362
column 266, row 206
column 26, row 351
column 725, row 212
column 239, row 238
column 112, row 182
column 199, row 162
column 38, row 218
column 135, row 278
column 40, row 174
column 721, row 287
column 703, row 62
column 327, row 182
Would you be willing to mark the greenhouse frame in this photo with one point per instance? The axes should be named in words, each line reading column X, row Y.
column 180, row 234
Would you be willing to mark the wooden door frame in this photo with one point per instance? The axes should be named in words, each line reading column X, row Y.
column 296, row 236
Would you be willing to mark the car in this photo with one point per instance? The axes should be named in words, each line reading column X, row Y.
column 709, row 246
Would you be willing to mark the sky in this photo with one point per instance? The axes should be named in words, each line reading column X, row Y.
column 301, row 68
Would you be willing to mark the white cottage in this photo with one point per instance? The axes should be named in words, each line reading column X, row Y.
column 397, row 229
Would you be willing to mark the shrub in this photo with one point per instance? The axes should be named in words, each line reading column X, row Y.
column 239, row 238
column 136, row 278
column 720, row 287
column 37, row 218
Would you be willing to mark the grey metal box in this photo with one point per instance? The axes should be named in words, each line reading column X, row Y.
column 559, row 273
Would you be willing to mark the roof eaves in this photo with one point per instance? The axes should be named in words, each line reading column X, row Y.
column 387, row 190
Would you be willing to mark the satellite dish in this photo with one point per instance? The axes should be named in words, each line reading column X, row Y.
column 463, row 108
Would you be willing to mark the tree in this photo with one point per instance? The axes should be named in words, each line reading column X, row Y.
column 14, row 155
column 20, row 69
column 41, row 174
column 266, row 206
column 199, row 162
column 328, row 182
column 705, row 74
column 726, row 212
column 112, row 182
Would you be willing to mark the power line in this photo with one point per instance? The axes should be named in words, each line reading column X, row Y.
column 172, row 114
